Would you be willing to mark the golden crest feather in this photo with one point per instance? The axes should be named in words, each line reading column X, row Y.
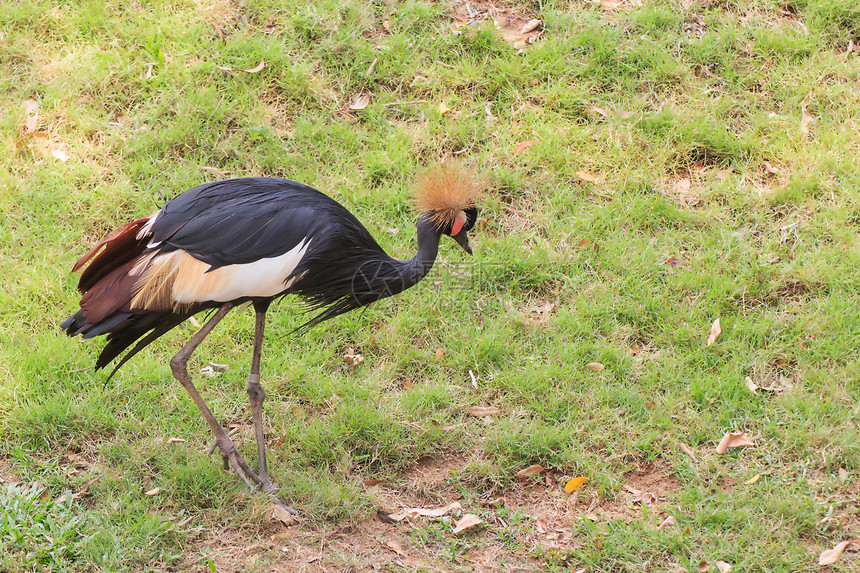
column 444, row 190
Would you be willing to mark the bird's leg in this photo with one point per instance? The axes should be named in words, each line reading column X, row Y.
column 256, row 395
column 179, row 366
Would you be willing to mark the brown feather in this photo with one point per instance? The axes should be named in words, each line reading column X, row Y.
column 111, row 253
column 161, row 276
column 164, row 278
column 111, row 294
column 444, row 190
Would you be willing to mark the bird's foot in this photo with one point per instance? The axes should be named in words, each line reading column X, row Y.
column 267, row 486
column 233, row 459
column 285, row 507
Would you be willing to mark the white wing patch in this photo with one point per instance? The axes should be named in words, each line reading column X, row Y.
column 146, row 230
column 175, row 279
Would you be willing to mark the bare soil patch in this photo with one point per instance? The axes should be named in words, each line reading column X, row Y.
column 6, row 473
column 527, row 519
column 516, row 24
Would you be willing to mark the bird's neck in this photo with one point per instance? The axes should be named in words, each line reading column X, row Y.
column 417, row 267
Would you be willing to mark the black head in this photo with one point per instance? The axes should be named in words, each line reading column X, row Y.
column 458, row 229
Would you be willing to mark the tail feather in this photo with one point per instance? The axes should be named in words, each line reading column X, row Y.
column 124, row 329
column 119, row 248
column 105, row 308
column 116, row 345
column 113, row 322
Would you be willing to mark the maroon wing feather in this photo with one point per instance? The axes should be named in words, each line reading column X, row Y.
column 116, row 250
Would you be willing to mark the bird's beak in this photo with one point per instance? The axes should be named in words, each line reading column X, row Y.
column 463, row 240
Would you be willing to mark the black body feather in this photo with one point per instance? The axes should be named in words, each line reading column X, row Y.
column 240, row 221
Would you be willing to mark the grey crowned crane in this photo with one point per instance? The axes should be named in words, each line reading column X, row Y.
column 252, row 240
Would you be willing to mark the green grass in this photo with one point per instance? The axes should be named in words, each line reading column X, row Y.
column 664, row 132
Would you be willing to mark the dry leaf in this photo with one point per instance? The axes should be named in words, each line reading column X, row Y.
column 681, row 186
column 395, row 546
column 531, row 26
column 256, row 68
column 586, row 176
column 414, row 512
column 31, row 110
column 372, row 67
column 599, row 111
column 176, row 440
column 611, row 4
column 352, row 357
column 281, row 513
column 481, row 411
column 734, row 440
column 443, row 108
column 751, row 386
column 831, row 556
column 543, row 308
column 806, row 118
column 770, row 169
column 60, row 154
column 675, row 262
column 843, row 474
column 361, row 101
column 668, row 522
column 723, row 567
column 384, row 517
column 84, row 491
column 208, row 372
column 469, row 521
column 532, row 470
column 153, row 491
column 640, row 496
column 704, row 567
column 488, row 113
column 715, row 332
column 440, row 354
column 595, row 366
column 523, row 146
column 574, row 484
column 386, row 24
column 371, row 482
